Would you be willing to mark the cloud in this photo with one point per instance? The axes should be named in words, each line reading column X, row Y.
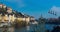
column 56, row 9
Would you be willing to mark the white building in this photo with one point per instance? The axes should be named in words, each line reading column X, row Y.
column 2, row 6
column 9, row 10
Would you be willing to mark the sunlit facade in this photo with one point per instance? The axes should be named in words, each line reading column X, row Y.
column 10, row 17
column 23, row 19
column 27, row 19
column 2, row 6
column 7, row 18
column 32, row 18
column 9, row 10
column 20, row 19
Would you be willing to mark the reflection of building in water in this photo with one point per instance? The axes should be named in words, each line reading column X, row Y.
column 11, row 29
column 7, row 29
column 42, row 24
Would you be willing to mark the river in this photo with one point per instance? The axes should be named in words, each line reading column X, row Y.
column 32, row 28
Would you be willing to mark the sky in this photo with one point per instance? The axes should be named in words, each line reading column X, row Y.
column 34, row 7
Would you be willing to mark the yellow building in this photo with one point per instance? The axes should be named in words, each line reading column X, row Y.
column 19, row 19
column 23, row 19
column 7, row 18
column 11, row 18
column 27, row 19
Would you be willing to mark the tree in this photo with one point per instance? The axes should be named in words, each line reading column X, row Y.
column 59, row 18
column 56, row 29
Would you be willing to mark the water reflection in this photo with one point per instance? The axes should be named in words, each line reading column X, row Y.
column 6, row 29
column 29, row 28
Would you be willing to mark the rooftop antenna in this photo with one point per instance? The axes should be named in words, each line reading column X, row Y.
column 41, row 16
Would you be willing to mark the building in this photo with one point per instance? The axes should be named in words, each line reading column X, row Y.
column 0, row 17
column 9, row 10
column 7, row 18
column 7, row 14
column 26, row 18
column 2, row 6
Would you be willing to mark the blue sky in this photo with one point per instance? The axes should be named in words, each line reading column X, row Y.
column 34, row 7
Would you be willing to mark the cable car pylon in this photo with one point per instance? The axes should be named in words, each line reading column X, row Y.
column 52, row 12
